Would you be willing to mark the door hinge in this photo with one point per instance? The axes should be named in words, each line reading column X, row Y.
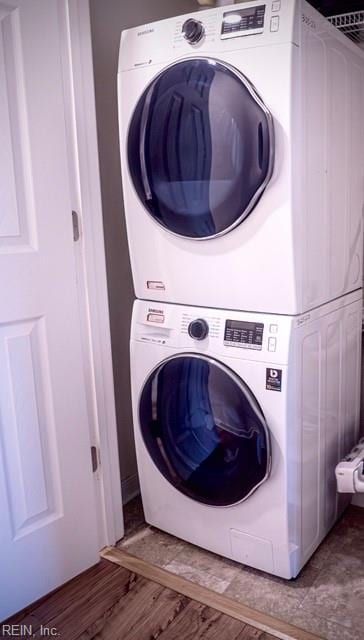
column 94, row 459
column 75, row 226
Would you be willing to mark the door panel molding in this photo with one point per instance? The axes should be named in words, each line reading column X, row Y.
column 33, row 481
column 17, row 232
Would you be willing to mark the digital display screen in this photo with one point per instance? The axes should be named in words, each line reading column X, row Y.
column 243, row 20
column 244, row 334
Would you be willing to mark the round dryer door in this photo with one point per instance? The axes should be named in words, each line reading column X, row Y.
column 204, row 430
column 200, row 148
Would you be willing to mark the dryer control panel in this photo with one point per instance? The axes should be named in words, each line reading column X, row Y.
column 211, row 32
column 240, row 22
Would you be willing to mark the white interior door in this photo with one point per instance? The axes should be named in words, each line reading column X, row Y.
column 48, row 527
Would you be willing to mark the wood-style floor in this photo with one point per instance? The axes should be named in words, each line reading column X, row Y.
column 108, row 602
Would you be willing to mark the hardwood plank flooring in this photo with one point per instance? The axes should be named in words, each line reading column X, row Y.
column 198, row 621
column 109, row 602
column 74, row 591
column 278, row 628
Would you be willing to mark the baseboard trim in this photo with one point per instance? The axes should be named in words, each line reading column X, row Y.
column 130, row 488
column 262, row 621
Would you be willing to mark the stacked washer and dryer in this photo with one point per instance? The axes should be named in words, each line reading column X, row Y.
column 242, row 164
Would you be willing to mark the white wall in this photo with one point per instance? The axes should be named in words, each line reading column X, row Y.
column 108, row 18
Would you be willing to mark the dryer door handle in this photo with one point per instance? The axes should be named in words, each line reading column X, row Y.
column 143, row 130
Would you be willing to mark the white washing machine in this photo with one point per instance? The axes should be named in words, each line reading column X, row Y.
column 243, row 158
column 240, row 420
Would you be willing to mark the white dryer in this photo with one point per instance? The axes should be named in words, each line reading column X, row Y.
column 242, row 157
column 240, row 420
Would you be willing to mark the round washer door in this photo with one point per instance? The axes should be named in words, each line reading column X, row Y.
column 200, row 148
column 204, row 430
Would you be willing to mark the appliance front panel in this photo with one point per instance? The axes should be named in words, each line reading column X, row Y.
column 252, row 267
column 301, row 246
column 264, row 513
column 312, row 415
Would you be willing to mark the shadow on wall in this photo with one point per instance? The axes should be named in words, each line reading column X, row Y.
column 108, row 19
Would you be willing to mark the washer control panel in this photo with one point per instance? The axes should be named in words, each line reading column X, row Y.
column 259, row 337
column 248, row 335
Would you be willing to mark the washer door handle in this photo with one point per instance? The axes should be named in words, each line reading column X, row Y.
column 263, row 148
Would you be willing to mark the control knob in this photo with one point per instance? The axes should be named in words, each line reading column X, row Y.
column 198, row 329
column 193, row 30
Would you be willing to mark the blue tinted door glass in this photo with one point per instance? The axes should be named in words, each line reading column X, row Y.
column 204, row 430
column 200, row 148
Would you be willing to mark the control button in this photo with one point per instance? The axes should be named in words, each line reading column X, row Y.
column 272, row 344
column 155, row 317
column 193, row 30
column 274, row 23
column 273, row 328
column 276, row 6
column 198, row 329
